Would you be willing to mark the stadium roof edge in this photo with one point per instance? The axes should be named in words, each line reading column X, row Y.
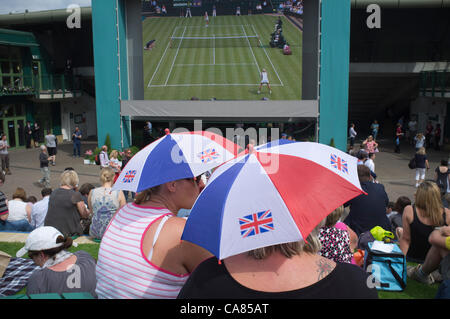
column 401, row 4
column 58, row 15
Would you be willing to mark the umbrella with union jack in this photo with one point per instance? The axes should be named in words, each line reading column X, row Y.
column 276, row 193
column 175, row 156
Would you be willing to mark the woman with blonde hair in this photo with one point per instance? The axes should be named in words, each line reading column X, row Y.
column 370, row 146
column 337, row 239
column 291, row 270
column 114, row 163
column 421, row 165
column 66, row 206
column 103, row 202
column 419, row 141
column 419, row 220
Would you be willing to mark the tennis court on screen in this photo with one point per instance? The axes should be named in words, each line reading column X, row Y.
column 226, row 55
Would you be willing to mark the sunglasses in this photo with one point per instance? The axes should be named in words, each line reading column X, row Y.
column 197, row 179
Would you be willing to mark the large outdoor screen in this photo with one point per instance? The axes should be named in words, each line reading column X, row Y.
column 221, row 57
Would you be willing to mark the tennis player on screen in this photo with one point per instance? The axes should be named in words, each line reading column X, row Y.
column 264, row 80
column 206, row 18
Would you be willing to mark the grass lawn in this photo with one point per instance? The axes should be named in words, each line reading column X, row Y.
column 414, row 290
column 221, row 61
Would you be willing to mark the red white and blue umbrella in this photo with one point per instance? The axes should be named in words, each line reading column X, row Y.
column 175, row 156
column 276, row 194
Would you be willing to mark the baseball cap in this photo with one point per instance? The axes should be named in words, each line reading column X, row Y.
column 42, row 238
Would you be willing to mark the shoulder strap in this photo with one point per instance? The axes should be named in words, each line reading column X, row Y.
column 445, row 218
column 396, row 275
column 155, row 238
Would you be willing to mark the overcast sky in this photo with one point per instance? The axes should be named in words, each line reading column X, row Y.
column 15, row 6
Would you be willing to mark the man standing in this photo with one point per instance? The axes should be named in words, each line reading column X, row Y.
column 76, row 138
column 412, row 126
column 4, row 155
column 36, row 134
column 264, row 80
column 428, row 134
column 214, row 11
column 437, row 137
column 50, row 142
column 43, row 160
column 188, row 12
column 39, row 210
column 206, row 18
column 28, row 134
column 352, row 134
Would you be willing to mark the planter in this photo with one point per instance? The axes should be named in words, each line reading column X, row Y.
column 88, row 162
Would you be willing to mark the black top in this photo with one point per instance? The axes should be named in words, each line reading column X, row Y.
column 420, row 160
column 43, row 159
column 213, row 281
column 368, row 211
column 420, row 232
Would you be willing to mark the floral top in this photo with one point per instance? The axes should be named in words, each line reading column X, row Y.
column 335, row 244
column 370, row 147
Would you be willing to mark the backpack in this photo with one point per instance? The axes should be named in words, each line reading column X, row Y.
column 97, row 159
column 412, row 163
column 388, row 269
column 441, row 181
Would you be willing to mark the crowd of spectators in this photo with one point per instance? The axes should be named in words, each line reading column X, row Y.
column 293, row 6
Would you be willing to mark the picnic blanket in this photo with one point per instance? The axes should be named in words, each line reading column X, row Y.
column 16, row 275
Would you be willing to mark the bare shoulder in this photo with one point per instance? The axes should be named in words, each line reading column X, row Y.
column 447, row 216
column 408, row 213
column 324, row 267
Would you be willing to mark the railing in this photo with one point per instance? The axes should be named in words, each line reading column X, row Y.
column 434, row 83
column 52, row 85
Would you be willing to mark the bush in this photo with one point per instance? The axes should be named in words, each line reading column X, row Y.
column 108, row 142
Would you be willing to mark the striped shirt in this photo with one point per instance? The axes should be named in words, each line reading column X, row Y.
column 123, row 272
column 3, row 204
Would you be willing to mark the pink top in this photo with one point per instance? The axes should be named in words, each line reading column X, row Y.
column 370, row 147
column 123, row 271
column 341, row 225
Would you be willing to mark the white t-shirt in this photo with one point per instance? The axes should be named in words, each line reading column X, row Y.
column 370, row 164
column 17, row 210
column 264, row 77
column 4, row 151
column 50, row 140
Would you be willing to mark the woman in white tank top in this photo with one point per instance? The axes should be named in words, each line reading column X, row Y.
column 141, row 254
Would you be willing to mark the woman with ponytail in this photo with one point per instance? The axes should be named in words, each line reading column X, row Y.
column 61, row 271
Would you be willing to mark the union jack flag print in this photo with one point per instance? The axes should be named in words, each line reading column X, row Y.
column 255, row 224
column 339, row 163
column 129, row 176
column 208, row 155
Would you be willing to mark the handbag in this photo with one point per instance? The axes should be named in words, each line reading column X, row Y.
column 412, row 163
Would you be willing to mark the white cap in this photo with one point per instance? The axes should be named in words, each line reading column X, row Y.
column 41, row 238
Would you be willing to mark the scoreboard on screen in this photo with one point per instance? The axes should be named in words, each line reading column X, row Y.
column 184, row 3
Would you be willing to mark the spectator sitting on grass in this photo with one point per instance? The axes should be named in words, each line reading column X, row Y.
column 103, row 203
column 47, row 247
column 39, row 210
column 19, row 212
column 396, row 216
column 437, row 257
column 420, row 219
column 337, row 239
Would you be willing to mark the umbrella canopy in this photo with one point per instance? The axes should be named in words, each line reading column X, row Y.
column 276, row 194
column 175, row 156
